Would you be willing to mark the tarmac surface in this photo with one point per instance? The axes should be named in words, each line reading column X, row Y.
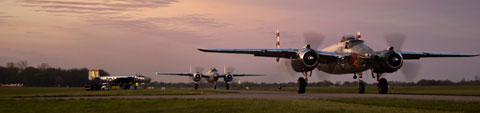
column 281, row 95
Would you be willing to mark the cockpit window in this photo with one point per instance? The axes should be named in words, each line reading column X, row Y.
column 347, row 38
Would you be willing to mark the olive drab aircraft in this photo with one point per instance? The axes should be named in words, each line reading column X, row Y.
column 212, row 76
column 350, row 56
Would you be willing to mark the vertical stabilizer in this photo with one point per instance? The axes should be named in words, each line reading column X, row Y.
column 92, row 74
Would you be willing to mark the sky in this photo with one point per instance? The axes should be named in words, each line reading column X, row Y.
column 148, row 36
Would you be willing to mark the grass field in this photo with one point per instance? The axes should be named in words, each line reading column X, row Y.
column 376, row 105
column 66, row 92
column 11, row 102
column 417, row 90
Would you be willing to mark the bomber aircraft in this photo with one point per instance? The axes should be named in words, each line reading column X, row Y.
column 124, row 81
column 212, row 76
column 350, row 55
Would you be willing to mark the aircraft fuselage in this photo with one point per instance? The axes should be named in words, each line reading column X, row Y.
column 360, row 59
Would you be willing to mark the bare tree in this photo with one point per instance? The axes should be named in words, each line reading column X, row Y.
column 43, row 66
column 22, row 64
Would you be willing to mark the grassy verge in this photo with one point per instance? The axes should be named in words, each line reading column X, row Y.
column 417, row 90
column 67, row 92
column 236, row 106
column 469, row 107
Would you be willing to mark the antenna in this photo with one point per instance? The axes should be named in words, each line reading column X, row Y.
column 278, row 42
column 190, row 68
column 224, row 70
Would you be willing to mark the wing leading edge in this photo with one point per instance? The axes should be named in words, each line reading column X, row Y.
column 180, row 74
column 239, row 75
column 282, row 53
column 325, row 56
column 421, row 54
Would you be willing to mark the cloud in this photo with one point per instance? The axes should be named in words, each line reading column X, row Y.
column 4, row 18
column 95, row 6
column 160, row 25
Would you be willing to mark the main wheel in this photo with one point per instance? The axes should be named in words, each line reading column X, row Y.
column 196, row 86
column 361, row 87
column 227, row 86
column 301, row 84
column 382, row 86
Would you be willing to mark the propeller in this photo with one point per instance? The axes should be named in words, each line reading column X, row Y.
column 288, row 67
column 230, row 69
column 313, row 38
column 395, row 39
column 410, row 69
column 199, row 69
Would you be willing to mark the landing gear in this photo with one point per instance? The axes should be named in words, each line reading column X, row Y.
column 214, row 85
column 227, row 86
column 301, row 84
column 361, row 84
column 196, row 86
column 382, row 84
column 361, row 87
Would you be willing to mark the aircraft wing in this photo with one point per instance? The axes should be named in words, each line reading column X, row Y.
column 282, row 53
column 180, row 74
column 421, row 54
column 325, row 56
column 236, row 75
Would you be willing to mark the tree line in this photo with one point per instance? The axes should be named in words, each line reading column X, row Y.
column 43, row 75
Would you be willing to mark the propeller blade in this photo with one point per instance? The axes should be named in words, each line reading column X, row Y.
column 395, row 39
column 319, row 76
column 287, row 66
column 230, row 69
column 411, row 69
column 313, row 38
column 198, row 69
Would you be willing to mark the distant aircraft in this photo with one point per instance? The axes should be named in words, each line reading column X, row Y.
column 212, row 76
column 350, row 55
column 124, row 81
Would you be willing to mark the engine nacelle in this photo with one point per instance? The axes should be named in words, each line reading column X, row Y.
column 388, row 62
column 197, row 77
column 306, row 60
column 228, row 77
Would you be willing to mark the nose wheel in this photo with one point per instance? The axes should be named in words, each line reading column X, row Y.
column 227, row 86
column 214, row 85
column 361, row 84
column 196, row 86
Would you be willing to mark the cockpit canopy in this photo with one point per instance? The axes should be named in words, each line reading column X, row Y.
column 347, row 38
column 214, row 69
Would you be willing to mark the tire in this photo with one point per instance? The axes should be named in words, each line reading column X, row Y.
column 214, row 87
column 361, row 87
column 301, row 84
column 196, row 86
column 382, row 86
column 227, row 86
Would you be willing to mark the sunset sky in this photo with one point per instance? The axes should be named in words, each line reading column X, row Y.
column 148, row 36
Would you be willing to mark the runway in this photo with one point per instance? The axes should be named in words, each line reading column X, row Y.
column 282, row 95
